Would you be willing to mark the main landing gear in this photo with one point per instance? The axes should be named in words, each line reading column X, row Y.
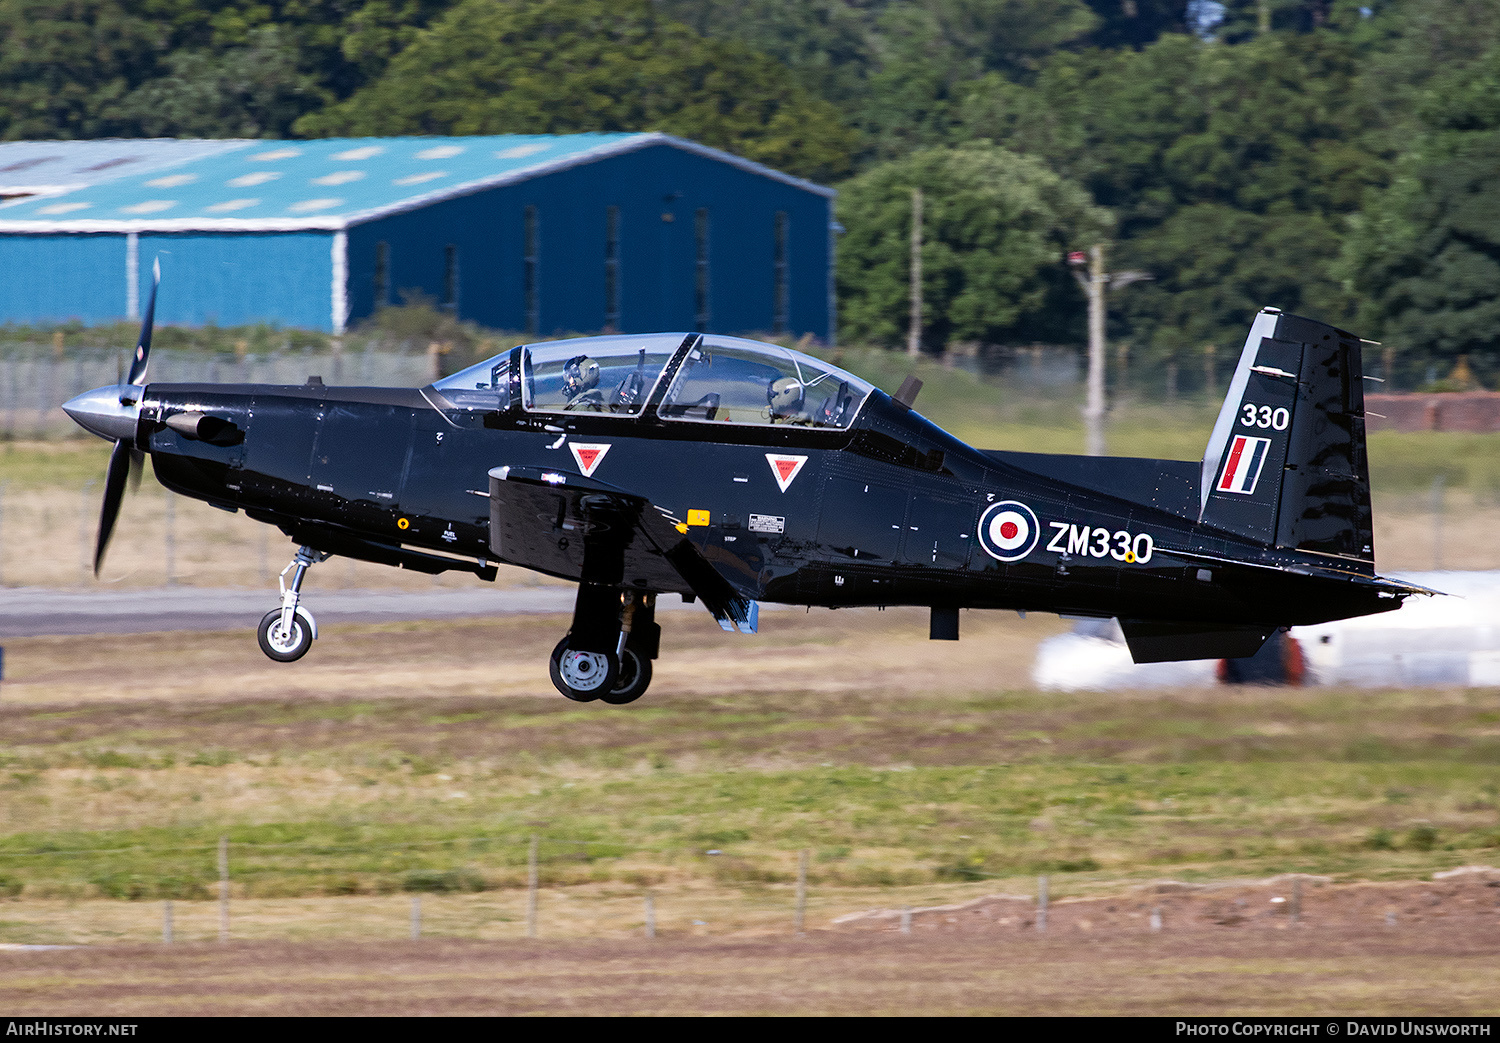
column 607, row 655
column 288, row 632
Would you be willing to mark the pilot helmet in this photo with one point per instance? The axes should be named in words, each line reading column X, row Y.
column 784, row 395
column 580, row 374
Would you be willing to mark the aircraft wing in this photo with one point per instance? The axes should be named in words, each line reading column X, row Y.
column 577, row 528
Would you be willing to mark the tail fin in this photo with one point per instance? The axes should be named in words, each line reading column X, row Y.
column 1286, row 462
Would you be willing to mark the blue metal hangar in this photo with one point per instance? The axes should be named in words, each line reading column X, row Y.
column 528, row 233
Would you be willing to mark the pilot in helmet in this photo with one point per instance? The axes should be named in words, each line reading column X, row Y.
column 580, row 376
column 785, row 395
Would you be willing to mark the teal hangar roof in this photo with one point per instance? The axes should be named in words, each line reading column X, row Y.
column 327, row 184
column 53, row 167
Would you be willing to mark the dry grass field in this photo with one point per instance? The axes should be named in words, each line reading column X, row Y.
column 1436, row 971
column 417, row 759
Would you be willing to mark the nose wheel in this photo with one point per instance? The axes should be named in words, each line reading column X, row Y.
column 285, row 644
column 285, row 634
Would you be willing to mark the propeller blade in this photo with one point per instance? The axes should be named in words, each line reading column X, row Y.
column 148, row 321
column 114, row 491
column 137, row 466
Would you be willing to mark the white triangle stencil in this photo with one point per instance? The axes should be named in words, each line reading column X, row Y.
column 785, row 468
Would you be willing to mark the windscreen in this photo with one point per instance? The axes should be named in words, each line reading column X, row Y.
column 484, row 385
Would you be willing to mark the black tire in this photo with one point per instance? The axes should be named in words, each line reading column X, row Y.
column 583, row 676
column 634, row 679
column 286, row 649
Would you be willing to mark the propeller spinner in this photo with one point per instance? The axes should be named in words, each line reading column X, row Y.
column 113, row 413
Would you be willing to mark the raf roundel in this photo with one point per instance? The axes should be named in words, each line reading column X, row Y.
column 1008, row 530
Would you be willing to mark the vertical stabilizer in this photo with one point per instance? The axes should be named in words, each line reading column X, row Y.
column 1263, row 326
column 1286, row 463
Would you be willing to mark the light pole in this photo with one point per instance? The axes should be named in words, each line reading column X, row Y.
column 914, row 327
column 1094, row 284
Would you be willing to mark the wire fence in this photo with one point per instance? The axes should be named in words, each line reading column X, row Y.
column 35, row 379
column 236, row 864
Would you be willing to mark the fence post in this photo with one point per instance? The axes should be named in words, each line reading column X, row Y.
column 1437, row 522
column 1041, row 902
column 83, row 527
column 166, row 922
column 223, row 889
column 1296, row 909
column 906, row 919
column 45, row 398
column 801, row 889
column 531, row 889
column 416, row 917
column 170, row 529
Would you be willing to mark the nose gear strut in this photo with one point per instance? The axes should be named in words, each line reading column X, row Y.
column 285, row 634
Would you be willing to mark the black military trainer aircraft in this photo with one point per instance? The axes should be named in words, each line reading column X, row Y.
column 735, row 472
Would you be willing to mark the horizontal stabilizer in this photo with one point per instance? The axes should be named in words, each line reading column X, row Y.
column 1156, row 642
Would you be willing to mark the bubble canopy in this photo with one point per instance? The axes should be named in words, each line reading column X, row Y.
column 718, row 380
column 726, row 380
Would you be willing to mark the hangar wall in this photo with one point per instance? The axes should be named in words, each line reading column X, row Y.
column 224, row 279
column 53, row 278
column 658, row 234
column 237, row 278
column 668, row 201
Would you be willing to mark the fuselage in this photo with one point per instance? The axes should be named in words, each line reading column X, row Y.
column 890, row 510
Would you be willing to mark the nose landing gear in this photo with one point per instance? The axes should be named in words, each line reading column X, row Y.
column 287, row 633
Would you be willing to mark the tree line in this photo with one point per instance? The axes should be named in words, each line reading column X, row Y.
column 1338, row 158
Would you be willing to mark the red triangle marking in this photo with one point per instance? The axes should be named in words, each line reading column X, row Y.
column 786, row 468
column 588, row 456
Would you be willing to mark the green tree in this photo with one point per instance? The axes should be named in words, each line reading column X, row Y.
column 828, row 44
column 927, row 55
column 555, row 66
column 343, row 43
column 95, row 68
column 1232, row 170
column 65, row 66
column 254, row 91
column 1425, row 254
column 995, row 229
column 1136, row 23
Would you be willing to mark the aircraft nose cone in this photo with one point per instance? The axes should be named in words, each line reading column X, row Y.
column 101, row 412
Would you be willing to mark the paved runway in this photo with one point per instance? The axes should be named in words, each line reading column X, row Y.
column 34, row 611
